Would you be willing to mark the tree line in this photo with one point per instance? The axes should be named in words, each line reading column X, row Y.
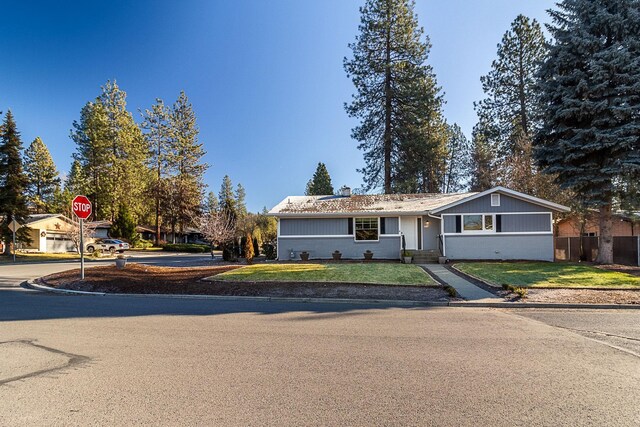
column 147, row 173
column 560, row 118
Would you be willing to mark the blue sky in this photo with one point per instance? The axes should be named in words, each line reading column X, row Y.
column 265, row 77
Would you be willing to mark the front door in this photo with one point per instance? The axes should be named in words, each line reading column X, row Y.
column 409, row 228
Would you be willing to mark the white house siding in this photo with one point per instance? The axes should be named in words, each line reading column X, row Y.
column 499, row 247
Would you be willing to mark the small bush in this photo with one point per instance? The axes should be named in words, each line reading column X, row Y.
column 451, row 291
column 248, row 249
column 186, row 247
column 142, row 244
column 269, row 250
column 521, row 292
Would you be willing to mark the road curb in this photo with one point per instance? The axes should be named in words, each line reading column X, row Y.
column 466, row 304
column 42, row 288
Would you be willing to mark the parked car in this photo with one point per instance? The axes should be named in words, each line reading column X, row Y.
column 107, row 245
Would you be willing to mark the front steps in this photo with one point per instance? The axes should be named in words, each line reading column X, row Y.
column 429, row 256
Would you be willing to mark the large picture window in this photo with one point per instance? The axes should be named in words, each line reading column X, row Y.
column 366, row 228
column 477, row 223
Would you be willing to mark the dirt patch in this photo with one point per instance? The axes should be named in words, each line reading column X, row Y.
column 620, row 268
column 583, row 296
column 144, row 279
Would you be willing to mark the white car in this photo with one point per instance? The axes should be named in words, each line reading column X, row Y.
column 107, row 245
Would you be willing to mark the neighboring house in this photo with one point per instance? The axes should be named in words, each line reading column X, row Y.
column 495, row 224
column 100, row 229
column 588, row 225
column 48, row 233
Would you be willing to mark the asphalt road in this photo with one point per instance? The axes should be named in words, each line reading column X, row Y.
column 71, row 360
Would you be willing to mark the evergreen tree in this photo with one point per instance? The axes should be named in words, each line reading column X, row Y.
column 42, row 175
column 458, row 161
column 510, row 113
column 113, row 153
column 212, row 203
column 13, row 182
column 320, row 183
column 396, row 89
column 186, row 166
column 589, row 102
column 76, row 182
column 482, row 162
column 241, row 206
column 227, row 199
column 158, row 133
column 124, row 226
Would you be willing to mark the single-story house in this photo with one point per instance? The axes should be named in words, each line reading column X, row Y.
column 495, row 224
column 48, row 233
column 589, row 225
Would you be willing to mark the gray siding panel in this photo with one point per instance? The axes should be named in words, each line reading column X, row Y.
column 497, row 247
column 314, row 227
column 449, row 224
column 507, row 204
column 525, row 223
column 325, row 226
column 322, row 247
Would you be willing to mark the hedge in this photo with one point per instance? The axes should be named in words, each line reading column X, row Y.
column 186, row 247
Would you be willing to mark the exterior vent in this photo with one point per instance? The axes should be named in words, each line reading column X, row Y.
column 345, row 191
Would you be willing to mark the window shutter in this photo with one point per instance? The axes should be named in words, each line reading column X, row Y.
column 383, row 228
column 458, row 223
column 350, row 226
column 498, row 223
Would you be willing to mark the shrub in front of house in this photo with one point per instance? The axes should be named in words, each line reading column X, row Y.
column 186, row 247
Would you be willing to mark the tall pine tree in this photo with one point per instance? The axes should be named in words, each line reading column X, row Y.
column 395, row 90
column 458, row 160
column 113, row 153
column 590, row 98
column 42, row 176
column 509, row 115
column 13, row 182
column 320, row 183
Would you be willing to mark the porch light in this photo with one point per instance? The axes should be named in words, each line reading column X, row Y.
column 426, row 223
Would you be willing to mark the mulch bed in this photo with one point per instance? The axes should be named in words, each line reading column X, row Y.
column 144, row 279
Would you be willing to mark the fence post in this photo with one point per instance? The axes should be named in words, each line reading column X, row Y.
column 569, row 248
column 638, row 245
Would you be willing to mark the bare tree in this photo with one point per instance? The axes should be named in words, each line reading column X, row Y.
column 73, row 232
column 217, row 227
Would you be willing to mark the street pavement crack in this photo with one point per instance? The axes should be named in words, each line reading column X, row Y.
column 63, row 361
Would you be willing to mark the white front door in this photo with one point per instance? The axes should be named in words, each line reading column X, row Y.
column 409, row 228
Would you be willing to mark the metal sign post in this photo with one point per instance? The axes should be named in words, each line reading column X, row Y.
column 13, row 226
column 81, row 249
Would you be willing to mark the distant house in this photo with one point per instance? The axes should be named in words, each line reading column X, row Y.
column 589, row 225
column 495, row 224
column 48, row 233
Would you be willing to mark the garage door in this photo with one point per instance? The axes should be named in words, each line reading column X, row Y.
column 57, row 244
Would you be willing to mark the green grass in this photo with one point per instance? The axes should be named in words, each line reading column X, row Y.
column 373, row 273
column 548, row 275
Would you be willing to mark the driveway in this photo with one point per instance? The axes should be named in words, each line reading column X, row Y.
column 165, row 361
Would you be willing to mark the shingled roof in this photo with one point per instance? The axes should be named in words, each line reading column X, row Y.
column 365, row 204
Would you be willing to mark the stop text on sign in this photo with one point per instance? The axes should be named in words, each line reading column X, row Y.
column 81, row 207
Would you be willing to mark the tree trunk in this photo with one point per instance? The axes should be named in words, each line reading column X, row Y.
column 387, row 109
column 605, row 241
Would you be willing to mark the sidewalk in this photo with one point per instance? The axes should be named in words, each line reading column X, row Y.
column 466, row 289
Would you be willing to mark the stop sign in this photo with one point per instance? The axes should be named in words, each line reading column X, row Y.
column 81, row 207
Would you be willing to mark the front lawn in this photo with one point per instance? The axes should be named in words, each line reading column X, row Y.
column 548, row 275
column 374, row 273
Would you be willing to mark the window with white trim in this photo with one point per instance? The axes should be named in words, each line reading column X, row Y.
column 366, row 228
column 495, row 200
column 477, row 223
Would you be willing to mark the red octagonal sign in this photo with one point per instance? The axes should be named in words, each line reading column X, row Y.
column 81, row 207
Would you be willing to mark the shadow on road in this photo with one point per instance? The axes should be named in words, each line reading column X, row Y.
column 18, row 304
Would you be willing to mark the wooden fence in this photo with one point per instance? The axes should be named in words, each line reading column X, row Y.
column 626, row 249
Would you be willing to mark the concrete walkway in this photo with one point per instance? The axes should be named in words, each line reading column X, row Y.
column 466, row 289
